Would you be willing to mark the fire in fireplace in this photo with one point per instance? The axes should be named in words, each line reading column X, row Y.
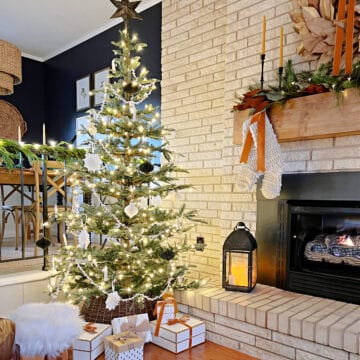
column 309, row 238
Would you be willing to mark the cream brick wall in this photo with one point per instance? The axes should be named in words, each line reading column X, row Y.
column 210, row 51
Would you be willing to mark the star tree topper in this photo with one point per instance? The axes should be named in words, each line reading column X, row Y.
column 126, row 10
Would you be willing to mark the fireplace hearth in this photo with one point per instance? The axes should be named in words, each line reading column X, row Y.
column 309, row 237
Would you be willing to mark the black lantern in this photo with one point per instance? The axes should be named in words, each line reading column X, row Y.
column 239, row 260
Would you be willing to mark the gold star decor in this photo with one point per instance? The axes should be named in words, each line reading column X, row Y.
column 126, row 10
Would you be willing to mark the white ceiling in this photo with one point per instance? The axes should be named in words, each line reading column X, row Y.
column 45, row 28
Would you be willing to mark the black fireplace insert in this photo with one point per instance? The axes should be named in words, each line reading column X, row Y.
column 309, row 237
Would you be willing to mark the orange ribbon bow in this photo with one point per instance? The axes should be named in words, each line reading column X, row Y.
column 90, row 328
column 260, row 119
column 183, row 321
column 168, row 300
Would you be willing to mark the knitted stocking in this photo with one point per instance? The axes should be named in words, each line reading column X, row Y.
column 248, row 175
column 271, row 184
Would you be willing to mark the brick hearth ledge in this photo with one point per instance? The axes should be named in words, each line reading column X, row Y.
column 273, row 324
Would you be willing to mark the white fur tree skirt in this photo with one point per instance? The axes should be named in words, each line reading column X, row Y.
column 46, row 329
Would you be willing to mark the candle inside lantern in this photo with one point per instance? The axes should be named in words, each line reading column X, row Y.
column 239, row 275
column 106, row 274
column 44, row 134
column 19, row 134
column 263, row 39
column 281, row 55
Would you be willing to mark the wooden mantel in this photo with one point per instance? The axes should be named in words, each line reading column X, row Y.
column 311, row 117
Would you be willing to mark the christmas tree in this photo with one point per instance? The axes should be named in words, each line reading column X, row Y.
column 142, row 244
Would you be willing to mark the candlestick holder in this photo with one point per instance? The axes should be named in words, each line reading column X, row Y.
column 280, row 72
column 262, row 57
column 22, row 205
column 44, row 243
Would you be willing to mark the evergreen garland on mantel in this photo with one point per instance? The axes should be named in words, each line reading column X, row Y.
column 10, row 151
column 298, row 85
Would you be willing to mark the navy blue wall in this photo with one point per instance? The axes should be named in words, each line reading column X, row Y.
column 62, row 71
column 29, row 98
column 47, row 93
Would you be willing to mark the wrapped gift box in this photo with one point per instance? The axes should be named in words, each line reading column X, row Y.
column 176, row 337
column 138, row 324
column 88, row 346
column 124, row 346
column 168, row 313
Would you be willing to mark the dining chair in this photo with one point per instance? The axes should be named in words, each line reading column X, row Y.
column 10, row 211
column 57, row 185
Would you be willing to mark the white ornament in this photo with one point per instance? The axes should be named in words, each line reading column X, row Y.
column 156, row 200
column 112, row 300
column 143, row 202
column 84, row 240
column 92, row 130
column 92, row 162
column 131, row 210
column 132, row 110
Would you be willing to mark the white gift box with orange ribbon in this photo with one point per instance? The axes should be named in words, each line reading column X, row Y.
column 138, row 324
column 89, row 345
column 183, row 333
column 165, row 310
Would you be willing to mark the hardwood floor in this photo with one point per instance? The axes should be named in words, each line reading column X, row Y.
column 206, row 351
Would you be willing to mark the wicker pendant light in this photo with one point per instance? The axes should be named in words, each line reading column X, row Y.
column 10, row 67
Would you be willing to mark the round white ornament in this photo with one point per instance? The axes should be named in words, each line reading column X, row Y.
column 93, row 162
column 131, row 210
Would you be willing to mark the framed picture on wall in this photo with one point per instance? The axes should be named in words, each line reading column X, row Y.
column 82, row 93
column 101, row 78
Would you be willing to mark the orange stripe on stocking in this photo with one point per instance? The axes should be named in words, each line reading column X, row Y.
column 248, row 142
column 261, row 143
column 338, row 38
column 349, row 36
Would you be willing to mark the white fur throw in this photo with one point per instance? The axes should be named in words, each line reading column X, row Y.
column 46, row 329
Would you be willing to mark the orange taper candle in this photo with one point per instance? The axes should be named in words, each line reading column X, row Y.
column 263, row 39
column 350, row 18
column 338, row 38
column 281, row 54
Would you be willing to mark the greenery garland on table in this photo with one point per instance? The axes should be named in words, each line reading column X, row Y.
column 10, row 150
column 298, row 85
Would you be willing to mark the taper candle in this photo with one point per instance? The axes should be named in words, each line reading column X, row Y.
column 19, row 134
column 263, row 40
column 44, row 134
column 281, row 54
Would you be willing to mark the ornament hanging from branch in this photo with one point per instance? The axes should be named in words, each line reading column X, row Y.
column 84, row 240
column 112, row 300
column 93, row 162
column 131, row 210
column 146, row 167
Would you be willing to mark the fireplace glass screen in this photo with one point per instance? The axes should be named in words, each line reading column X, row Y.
column 325, row 237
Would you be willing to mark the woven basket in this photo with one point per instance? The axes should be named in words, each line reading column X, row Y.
column 95, row 310
column 10, row 119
